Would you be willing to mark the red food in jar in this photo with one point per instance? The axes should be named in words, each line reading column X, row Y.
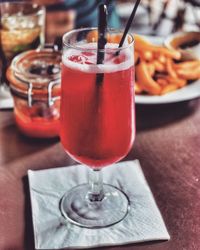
column 36, row 114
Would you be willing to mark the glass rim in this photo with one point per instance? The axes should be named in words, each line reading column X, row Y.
column 35, row 7
column 67, row 34
column 27, row 53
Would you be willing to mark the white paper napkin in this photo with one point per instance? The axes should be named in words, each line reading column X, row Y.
column 51, row 231
column 6, row 100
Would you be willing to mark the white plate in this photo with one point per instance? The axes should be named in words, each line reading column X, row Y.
column 189, row 92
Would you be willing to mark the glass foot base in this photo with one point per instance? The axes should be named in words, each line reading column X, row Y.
column 78, row 209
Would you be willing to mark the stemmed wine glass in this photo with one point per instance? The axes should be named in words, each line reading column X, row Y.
column 97, row 121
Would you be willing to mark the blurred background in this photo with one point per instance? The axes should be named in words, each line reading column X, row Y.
column 154, row 17
column 162, row 17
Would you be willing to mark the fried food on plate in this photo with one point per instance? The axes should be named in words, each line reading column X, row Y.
column 160, row 70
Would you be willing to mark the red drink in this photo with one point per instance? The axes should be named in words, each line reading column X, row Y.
column 97, row 120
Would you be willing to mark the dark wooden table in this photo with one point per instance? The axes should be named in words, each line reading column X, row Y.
column 168, row 147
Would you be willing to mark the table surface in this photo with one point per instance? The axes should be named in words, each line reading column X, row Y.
column 167, row 145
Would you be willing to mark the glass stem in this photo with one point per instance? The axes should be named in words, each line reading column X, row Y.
column 96, row 192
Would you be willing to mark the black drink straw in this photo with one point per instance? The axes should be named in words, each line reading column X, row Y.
column 128, row 25
column 102, row 26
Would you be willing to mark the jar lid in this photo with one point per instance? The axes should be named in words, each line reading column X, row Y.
column 35, row 68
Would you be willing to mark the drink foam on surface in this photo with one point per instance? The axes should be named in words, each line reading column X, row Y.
column 84, row 59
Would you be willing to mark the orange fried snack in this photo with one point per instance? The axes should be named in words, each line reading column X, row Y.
column 92, row 36
column 145, row 80
column 142, row 45
column 138, row 89
column 160, row 70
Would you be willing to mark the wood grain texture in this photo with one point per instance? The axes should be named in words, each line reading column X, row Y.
column 168, row 147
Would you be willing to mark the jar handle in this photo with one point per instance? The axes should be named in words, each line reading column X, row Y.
column 30, row 87
column 50, row 87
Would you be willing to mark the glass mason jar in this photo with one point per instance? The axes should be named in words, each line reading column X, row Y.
column 34, row 78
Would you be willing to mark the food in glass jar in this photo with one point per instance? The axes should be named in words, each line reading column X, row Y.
column 39, row 120
column 34, row 78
